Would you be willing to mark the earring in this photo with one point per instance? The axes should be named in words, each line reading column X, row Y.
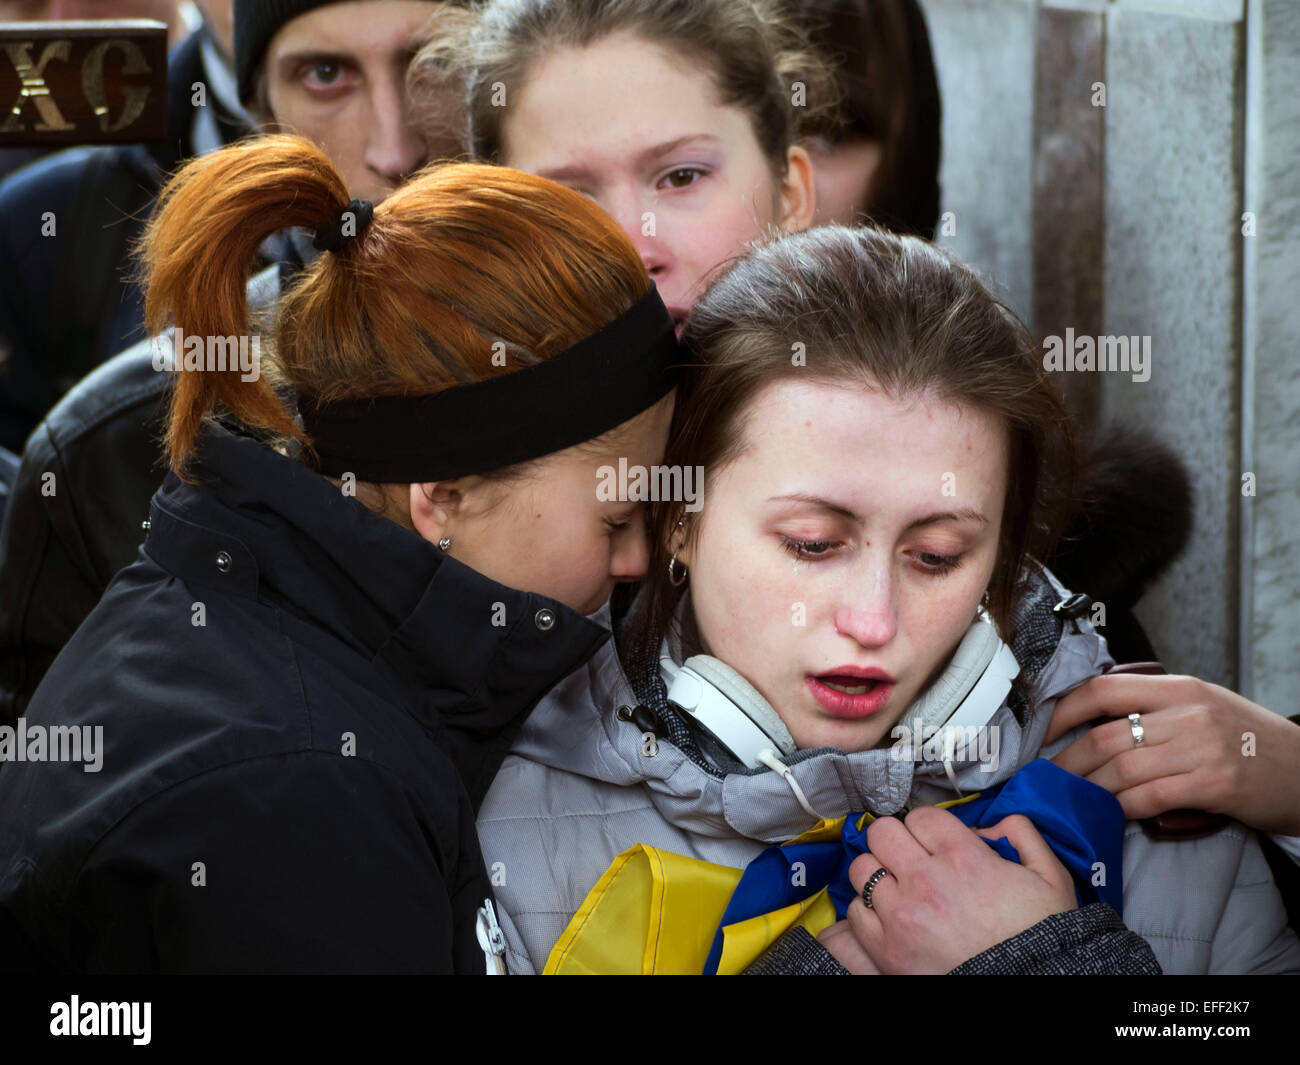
column 673, row 579
column 444, row 544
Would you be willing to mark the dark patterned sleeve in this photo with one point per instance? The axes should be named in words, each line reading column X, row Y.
column 797, row 953
column 1084, row 942
column 1091, row 941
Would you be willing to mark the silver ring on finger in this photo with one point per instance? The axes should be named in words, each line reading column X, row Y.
column 1135, row 726
column 870, row 885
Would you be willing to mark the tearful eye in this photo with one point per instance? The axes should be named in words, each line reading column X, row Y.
column 806, row 548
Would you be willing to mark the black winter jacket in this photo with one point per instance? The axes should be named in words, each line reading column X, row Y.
column 302, row 705
column 80, row 496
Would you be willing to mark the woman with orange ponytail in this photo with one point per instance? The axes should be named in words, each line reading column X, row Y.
column 264, row 749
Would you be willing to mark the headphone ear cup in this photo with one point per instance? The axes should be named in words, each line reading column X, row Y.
column 940, row 701
column 746, row 698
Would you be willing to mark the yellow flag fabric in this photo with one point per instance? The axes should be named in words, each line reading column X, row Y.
column 651, row 912
column 655, row 912
column 743, row 943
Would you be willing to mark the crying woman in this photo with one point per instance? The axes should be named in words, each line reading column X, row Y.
column 720, row 792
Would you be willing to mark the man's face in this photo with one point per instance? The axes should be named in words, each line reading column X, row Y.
column 337, row 75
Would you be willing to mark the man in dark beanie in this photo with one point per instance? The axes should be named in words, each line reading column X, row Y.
column 334, row 72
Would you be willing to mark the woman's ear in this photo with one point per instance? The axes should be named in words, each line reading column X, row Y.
column 798, row 191
column 434, row 505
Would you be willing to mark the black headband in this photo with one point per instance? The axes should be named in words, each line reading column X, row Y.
column 586, row 390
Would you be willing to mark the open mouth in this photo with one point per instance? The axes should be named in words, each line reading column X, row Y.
column 850, row 696
column 849, row 687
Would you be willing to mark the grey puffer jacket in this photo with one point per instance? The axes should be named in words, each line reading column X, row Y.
column 580, row 787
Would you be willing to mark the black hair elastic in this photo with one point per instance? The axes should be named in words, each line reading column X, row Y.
column 334, row 236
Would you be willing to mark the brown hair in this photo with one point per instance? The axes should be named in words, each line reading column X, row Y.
column 890, row 312
column 888, row 93
column 460, row 259
column 751, row 47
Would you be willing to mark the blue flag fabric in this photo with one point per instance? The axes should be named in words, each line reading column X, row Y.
column 1081, row 822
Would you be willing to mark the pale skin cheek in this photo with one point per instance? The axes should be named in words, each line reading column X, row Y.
column 749, row 623
column 703, row 259
column 717, row 621
column 333, row 131
column 784, row 594
column 721, row 603
column 594, row 571
column 567, row 548
column 562, row 567
column 737, row 221
column 350, row 133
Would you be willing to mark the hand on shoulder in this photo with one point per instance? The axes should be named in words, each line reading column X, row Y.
column 1204, row 747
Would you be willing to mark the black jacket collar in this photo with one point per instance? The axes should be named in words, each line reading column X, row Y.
column 473, row 655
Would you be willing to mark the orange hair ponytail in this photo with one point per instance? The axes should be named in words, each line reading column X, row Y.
column 198, row 251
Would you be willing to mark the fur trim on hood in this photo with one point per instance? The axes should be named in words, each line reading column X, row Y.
column 1133, row 519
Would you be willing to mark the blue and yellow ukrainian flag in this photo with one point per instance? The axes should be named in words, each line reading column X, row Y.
column 657, row 912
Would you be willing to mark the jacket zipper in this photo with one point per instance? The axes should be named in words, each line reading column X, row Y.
column 491, row 939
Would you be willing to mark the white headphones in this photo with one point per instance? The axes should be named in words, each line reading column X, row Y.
column 726, row 706
column 969, row 692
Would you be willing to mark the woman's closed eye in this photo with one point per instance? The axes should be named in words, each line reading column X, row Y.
column 936, row 564
column 619, row 522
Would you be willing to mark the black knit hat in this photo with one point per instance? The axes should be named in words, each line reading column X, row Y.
column 256, row 22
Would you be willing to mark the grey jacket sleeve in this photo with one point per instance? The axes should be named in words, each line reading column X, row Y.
column 1091, row 942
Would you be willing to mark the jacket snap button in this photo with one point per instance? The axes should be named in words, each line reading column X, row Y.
column 223, row 561
column 544, row 619
column 146, row 525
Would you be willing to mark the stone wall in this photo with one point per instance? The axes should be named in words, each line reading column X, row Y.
column 1120, row 213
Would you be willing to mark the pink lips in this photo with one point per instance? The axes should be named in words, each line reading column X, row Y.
column 846, row 704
